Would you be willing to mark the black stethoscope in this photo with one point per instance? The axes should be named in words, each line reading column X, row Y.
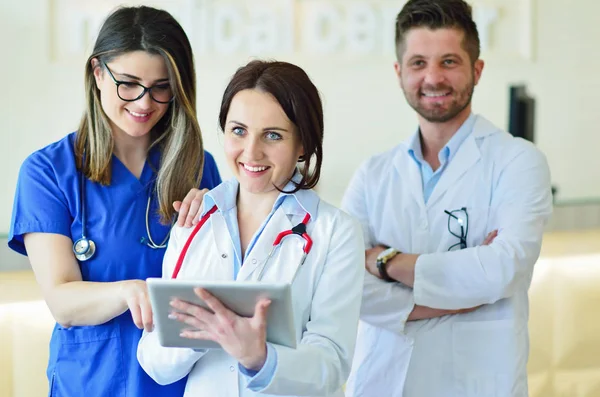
column 85, row 248
column 298, row 230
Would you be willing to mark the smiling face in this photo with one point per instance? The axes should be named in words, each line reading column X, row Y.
column 262, row 146
column 437, row 74
column 136, row 118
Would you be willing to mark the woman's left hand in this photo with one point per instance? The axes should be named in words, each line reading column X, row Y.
column 188, row 210
column 243, row 338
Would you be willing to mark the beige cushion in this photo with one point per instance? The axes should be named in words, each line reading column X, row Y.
column 25, row 330
column 564, row 327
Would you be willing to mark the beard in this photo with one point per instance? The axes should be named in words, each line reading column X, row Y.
column 436, row 112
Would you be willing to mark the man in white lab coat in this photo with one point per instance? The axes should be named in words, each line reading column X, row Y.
column 453, row 219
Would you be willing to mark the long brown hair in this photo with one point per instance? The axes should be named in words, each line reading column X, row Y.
column 177, row 134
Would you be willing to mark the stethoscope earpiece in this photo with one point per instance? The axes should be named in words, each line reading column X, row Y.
column 84, row 249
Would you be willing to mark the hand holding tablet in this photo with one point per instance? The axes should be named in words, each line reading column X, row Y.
column 185, row 316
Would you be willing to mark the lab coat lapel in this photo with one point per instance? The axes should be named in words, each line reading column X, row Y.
column 253, row 263
column 223, row 249
column 468, row 154
column 408, row 167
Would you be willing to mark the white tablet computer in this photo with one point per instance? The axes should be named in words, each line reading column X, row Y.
column 238, row 296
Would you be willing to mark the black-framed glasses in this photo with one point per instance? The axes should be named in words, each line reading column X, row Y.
column 130, row 91
column 458, row 226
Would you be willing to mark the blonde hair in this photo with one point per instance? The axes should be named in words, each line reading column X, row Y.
column 177, row 134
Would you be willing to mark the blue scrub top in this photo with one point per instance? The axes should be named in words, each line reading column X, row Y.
column 97, row 360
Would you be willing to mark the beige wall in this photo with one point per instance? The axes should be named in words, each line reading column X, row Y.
column 365, row 109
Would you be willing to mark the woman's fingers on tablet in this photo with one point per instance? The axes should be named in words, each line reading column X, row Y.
column 213, row 303
column 189, row 309
column 260, row 312
column 192, row 321
column 198, row 334
column 136, row 315
column 146, row 312
column 135, row 295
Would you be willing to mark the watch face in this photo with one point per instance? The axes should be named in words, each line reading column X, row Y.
column 387, row 254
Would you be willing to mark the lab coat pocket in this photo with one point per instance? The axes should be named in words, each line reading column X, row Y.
column 485, row 358
column 89, row 361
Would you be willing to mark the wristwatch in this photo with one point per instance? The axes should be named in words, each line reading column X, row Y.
column 382, row 260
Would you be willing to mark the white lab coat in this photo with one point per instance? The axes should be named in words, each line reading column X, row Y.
column 326, row 296
column 504, row 183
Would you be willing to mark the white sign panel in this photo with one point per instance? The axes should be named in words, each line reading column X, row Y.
column 310, row 27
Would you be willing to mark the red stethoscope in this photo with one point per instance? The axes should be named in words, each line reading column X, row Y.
column 298, row 230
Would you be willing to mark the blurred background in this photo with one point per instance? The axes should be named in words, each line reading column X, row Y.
column 539, row 82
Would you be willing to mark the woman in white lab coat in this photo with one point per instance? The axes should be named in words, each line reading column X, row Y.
column 272, row 119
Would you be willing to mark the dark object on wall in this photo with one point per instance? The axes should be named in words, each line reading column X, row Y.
column 521, row 113
column 521, row 117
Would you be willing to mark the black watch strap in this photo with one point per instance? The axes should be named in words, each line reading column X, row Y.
column 383, row 272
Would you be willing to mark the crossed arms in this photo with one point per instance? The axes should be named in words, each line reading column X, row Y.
column 447, row 283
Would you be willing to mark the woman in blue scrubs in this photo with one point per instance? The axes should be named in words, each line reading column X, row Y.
column 93, row 211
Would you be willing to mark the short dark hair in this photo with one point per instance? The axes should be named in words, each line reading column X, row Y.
column 437, row 14
column 299, row 99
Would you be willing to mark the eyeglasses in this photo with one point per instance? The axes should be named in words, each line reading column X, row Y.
column 458, row 226
column 130, row 91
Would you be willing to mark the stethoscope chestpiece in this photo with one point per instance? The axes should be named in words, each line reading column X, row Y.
column 84, row 249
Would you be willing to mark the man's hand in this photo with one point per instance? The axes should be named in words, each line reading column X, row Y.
column 490, row 237
column 400, row 268
column 371, row 259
